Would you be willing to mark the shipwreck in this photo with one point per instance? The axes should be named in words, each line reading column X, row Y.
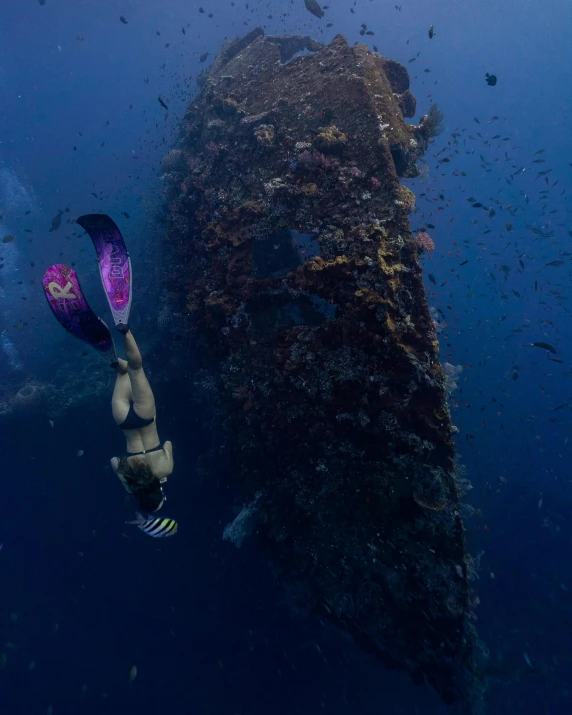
column 289, row 236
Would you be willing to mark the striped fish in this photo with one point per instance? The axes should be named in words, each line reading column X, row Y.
column 157, row 527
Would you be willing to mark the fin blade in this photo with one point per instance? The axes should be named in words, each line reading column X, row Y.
column 114, row 263
column 69, row 306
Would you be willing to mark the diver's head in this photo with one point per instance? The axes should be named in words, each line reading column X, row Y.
column 142, row 483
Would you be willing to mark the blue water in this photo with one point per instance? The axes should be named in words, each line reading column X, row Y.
column 205, row 625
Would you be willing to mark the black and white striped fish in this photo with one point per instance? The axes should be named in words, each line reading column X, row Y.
column 157, row 527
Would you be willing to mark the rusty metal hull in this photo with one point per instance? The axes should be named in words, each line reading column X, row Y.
column 302, row 281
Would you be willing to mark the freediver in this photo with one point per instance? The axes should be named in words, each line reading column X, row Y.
column 146, row 465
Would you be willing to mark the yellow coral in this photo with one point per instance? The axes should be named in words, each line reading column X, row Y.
column 391, row 324
column 407, row 198
column 230, row 104
column 329, row 138
column 318, row 263
column 309, row 189
column 264, row 134
column 389, row 270
column 369, row 296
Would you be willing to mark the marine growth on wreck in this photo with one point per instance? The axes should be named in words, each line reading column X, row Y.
column 289, row 230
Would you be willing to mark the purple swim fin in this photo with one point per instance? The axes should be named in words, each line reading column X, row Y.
column 114, row 264
column 68, row 304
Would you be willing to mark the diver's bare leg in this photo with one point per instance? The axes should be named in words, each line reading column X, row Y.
column 122, row 394
column 143, row 399
column 134, row 359
column 120, row 366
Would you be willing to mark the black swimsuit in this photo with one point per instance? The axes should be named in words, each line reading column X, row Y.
column 134, row 421
column 145, row 451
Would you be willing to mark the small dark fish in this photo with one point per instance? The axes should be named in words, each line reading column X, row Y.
column 477, row 120
column 183, row 31
column 203, row 57
column 555, row 263
column 544, row 346
column 464, row 262
column 540, row 151
column 430, row 225
column 431, row 32
column 313, row 7
column 56, row 222
column 80, row 38
column 491, row 79
column 162, row 103
column 432, row 278
column 123, row 20
column 42, row 2
column 563, row 405
column 124, row 213
column 8, row 239
column 508, row 227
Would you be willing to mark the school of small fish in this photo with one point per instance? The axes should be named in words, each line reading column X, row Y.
column 523, row 262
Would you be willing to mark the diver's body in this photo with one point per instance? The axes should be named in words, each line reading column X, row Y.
column 146, row 464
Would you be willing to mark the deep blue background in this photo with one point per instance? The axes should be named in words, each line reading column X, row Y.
column 85, row 598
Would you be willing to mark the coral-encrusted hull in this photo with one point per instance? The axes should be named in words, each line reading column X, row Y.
column 291, row 240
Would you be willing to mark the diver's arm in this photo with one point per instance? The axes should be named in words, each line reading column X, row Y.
column 168, row 449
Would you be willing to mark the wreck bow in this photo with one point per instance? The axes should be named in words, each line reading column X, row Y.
column 303, row 286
